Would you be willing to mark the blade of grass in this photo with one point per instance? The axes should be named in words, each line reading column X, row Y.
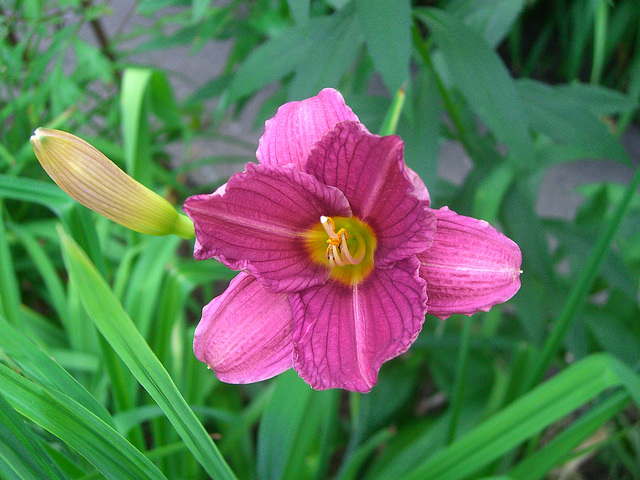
column 133, row 109
column 582, row 287
column 116, row 326
column 21, row 449
column 105, row 448
column 600, row 26
column 461, row 378
column 526, row 417
column 39, row 366
column 558, row 450
column 10, row 292
column 45, row 267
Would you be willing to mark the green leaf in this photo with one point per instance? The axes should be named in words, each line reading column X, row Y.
column 10, row 291
column 277, row 57
column 420, row 128
column 115, row 325
column 299, row 9
column 105, row 448
column 565, row 120
column 277, row 433
column 491, row 18
column 39, row 366
column 562, row 447
column 133, row 111
column 35, row 191
column 491, row 192
column 386, row 25
column 599, row 100
column 527, row 416
column 22, row 450
column 328, row 59
column 477, row 71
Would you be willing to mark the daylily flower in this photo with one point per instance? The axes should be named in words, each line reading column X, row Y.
column 340, row 254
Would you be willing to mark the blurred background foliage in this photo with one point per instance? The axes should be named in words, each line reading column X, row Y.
column 545, row 386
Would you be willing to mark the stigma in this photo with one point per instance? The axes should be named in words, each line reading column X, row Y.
column 337, row 252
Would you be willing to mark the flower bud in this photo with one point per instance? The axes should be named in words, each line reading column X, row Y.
column 95, row 181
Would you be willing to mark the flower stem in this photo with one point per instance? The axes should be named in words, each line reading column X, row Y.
column 390, row 123
column 454, row 113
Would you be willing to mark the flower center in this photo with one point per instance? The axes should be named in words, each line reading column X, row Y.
column 345, row 245
column 338, row 250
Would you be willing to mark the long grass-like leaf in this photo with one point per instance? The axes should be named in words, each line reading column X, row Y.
column 582, row 287
column 113, row 322
column 10, row 292
column 40, row 367
column 21, row 449
column 105, row 448
column 526, row 417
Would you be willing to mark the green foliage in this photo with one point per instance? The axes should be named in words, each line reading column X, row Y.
column 97, row 374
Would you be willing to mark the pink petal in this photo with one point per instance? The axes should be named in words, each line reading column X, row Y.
column 469, row 267
column 371, row 173
column 297, row 126
column 419, row 188
column 343, row 334
column 258, row 223
column 245, row 334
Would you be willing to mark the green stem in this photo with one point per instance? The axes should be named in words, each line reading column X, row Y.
column 600, row 22
column 390, row 123
column 582, row 287
column 454, row 113
column 461, row 376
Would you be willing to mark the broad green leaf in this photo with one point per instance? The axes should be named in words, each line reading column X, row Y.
column 277, row 57
column 105, row 448
column 386, row 25
column 115, row 325
column 491, row 191
column 477, row 71
column 299, row 10
column 329, row 57
column 599, row 100
column 420, row 128
column 562, row 118
column 493, row 19
column 22, row 450
column 613, row 336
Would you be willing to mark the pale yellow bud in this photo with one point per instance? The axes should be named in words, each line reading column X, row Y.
column 95, row 181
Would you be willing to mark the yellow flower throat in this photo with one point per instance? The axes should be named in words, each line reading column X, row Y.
column 346, row 245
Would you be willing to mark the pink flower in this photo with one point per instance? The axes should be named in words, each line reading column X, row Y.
column 341, row 256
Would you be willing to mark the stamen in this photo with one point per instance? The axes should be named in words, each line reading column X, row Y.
column 329, row 226
column 346, row 253
column 336, row 256
column 337, row 251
